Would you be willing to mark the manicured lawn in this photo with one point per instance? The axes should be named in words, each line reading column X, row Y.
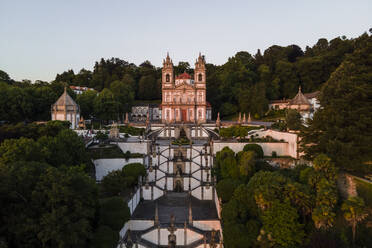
column 365, row 191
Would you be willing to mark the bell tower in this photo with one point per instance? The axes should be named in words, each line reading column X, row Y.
column 167, row 72
column 199, row 72
column 200, row 89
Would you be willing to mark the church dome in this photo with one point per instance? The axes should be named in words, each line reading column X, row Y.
column 65, row 100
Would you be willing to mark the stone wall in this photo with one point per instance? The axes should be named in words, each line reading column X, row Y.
column 187, row 236
column 134, row 147
column 134, row 201
column 290, row 138
column 281, row 148
column 207, row 225
column 288, row 146
column 346, row 185
column 105, row 166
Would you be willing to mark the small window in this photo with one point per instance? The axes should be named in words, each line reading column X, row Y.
column 167, row 78
column 200, row 77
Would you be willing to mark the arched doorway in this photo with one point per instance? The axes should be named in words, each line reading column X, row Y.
column 178, row 187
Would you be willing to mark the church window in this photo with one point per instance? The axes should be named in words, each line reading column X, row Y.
column 168, row 114
column 200, row 77
column 167, row 78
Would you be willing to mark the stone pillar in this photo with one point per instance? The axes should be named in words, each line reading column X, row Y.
column 202, row 192
column 185, row 234
column 152, row 192
column 190, row 213
column 159, row 235
column 156, row 220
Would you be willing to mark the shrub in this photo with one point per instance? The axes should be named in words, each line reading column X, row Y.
column 101, row 136
column 114, row 212
column 273, row 154
column 127, row 155
column 131, row 130
column 256, row 148
column 226, row 187
column 115, row 183
column 134, row 170
column 105, row 237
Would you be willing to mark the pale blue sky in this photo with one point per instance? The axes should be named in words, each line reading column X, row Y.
column 39, row 39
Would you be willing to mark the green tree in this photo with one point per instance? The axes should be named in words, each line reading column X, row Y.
column 326, row 198
column 293, row 119
column 300, row 197
column 114, row 212
column 257, row 149
column 341, row 128
column 281, row 221
column 134, row 170
column 86, row 103
column 240, row 224
column 225, row 188
column 354, row 212
column 67, row 148
column 115, row 183
column 22, row 149
column 226, row 133
column 105, row 106
column 68, row 202
column 324, row 166
column 123, row 94
column 129, row 80
column 121, row 181
column 247, row 164
column 221, row 156
column 4, row 76
column 105, row 237
column 148, row 88
column 228, row 109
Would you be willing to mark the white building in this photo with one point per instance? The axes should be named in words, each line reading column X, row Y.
column 66, row 109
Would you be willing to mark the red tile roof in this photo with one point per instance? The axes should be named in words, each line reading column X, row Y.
column 184, row 75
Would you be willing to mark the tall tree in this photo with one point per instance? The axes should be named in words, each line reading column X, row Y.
column 354, row 212
column 86, row 103
column 341, row 128
column 123, row 94
column 281, row 221
column 105, row 106
column 293, row 119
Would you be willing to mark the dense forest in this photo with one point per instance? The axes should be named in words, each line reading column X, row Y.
column 263, row 206
column 48, row 193
column 245, row 83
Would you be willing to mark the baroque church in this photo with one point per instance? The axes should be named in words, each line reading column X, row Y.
column 184, row 96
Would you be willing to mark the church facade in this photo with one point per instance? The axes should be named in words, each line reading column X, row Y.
column 184, row 96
